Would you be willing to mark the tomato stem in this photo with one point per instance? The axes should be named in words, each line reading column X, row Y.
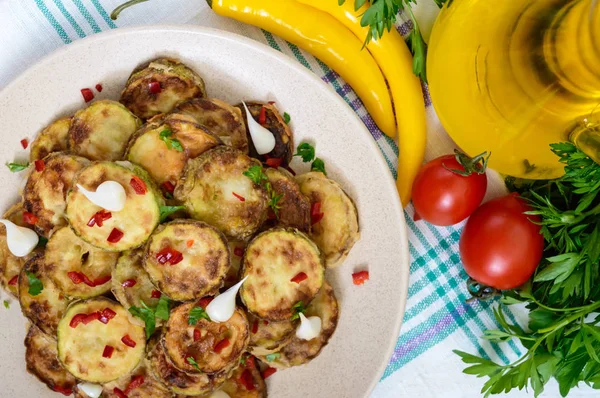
column 475, row 165
column 482, row 292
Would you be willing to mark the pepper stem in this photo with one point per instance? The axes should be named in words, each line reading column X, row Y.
column 115, row 14
column 480, row 291
column 475, row 165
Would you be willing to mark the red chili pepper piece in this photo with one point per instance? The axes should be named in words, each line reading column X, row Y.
column 196, row 334
column 266, row 322
column 240, row 197
column 315, row 213
column 24, row 143
column 30, row 218
column 221, row 345
column 156, row 294
column 92, row 221
column 358, row 278
column 168, row 186
column 129, row 283
column 255, row 326
column 120, row 394
column 299, row 278
column 88, row 94
column 154, row 87
column 250, row 364
column 106, row 315
column 190, row 243
column 135, row 382
column 99, row 87
column 204, row 301
column 238, row 251
column 274, row 162
column 99, row 218
column 63, row 390
column 268, row 372
column 101, row 280
column 76, row 277
column 247, row 380
column 40, row 165
column 94, row 316
column 262, row 116
column 14, row 280
column 128, row 342
column 138, row 185
column 108, row 351
column 169, row 255
column 115, row 236
column 77, row 319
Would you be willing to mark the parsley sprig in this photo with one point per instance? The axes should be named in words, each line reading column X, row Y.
column 258, row 176
column 172, row 143
column 149, row 314
column 196, row 314
column 35, row 285
column 297, row 309
column 192, row 361
column 16, row 167
column 307, row 152
column 166, row 211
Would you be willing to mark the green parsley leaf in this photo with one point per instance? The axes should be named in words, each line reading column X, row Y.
column 243, row 360
column 172, row 143
column 287, row 118
column 166, row 211
column 297, row 309
column 272, row 357
column 146, row 314
column 162, row 308
column 318, row 165
column 256, row 174
column 196, row 314
column 6, row 304
column 35, row 285
column 42, row 242
column 15, row 167
column 306, row 152
column 193, row 362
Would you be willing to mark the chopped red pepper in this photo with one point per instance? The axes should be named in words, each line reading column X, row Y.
column 14, row 280
column 30, row 218
column 315, row 213
column 76, row 277
column 154, row 87
column 169, row 255
column 99, row 218
column 77, row 319
column 358, row 278
column 63, row 390
column 204, row 301
column 268, row 372
column 250, row 364
column 120, row 394
column 115, row 236
column 168, row 186
column 156, row 294
column 196, row 334
column 273, row 162
column 106, row 315
column 88, row 94
column 24, row 143
column 128, row 341
column 101, row 280
column 271, row 102
column 247, row 380
column 240, row 197
column 266, row 322
column 221, row 345
column 299, row 278
column 129, row 283
column 262, row 116
column 255, row 326
column 138, row 185
column 99, row 87
column 108, row 351
column 40, row 165
column 190, row 243
column 135, row 382
column 94, row 316
column 238, row 251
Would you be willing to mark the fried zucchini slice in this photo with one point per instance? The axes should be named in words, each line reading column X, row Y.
column 176, row 83
column 130, row 267
column 271, row 261
column 208, row 189
column 179, row 343
column 47, row 308
column 284, row 141
column 11, row 265
column 41, row 357
column 234, row 387
column 294, row 206
column 136, row 221
column 54, row 138
column 67, row 254
column 46, row 191
column 164, row 162
column 338, row 230
column 81, row 347
column 219, row 118
column 297, row 351
column 102, row 130
column 150, row 388
column 203, row 267
column 267, row 337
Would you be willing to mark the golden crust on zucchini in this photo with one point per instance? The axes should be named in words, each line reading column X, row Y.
column 46, row 191
column 203, row 263
column 130, row 270
column 136, row 221
column 220, row 118
column 67, row 255
column 54, row 138
column 294, row 206
column 11, row 265
column 41, row 357
column 234, row 387
column 217, row 347
column 149, row 148
column 82, row 348
column 47, row 308
column 338, row 230
column 149, row 388
column 159, row 85
column 102, row 130
column 266, row 337
column 271, row 261
column 214, row 189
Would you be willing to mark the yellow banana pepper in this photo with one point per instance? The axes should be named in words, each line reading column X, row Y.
column 325, row 38
column 394, row 59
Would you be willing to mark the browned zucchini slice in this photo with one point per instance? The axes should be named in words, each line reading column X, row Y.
column 207, row 189
column 284, row 141
column 179, row 343
column 234, row 387
column 81, row 348
column 102, row 130
column 46, row 191
column 150, row 388
column 337, row 231
column 271, row 261
column 203, row 267
column 164, row 162
column 67, row 254
column 298, row 352
column 136, row 221
column 220, row 118
column 41, row 356
column 294, row 206
column 130, row 267
column 47, row 308
column 54, row 138
column 159, row 85
column 11, row 265
column 267, row 337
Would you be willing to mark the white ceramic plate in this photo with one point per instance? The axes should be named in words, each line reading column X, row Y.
column 236, row 68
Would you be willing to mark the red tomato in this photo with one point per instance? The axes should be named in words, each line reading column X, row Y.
column 443, row 197
column 500, row 246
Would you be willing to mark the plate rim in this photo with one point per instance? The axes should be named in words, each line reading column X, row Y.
column 298, row 68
